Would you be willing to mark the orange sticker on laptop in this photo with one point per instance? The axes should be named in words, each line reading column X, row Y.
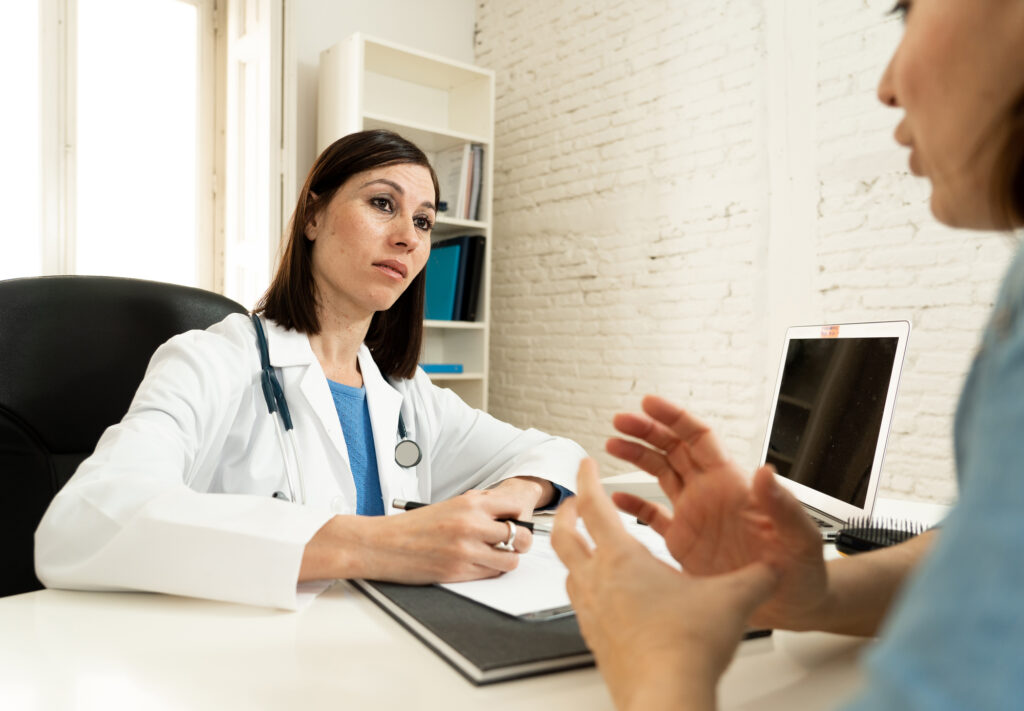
column 829, row 331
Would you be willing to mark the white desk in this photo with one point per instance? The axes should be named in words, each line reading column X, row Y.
column 72, row 650
column 77, row 650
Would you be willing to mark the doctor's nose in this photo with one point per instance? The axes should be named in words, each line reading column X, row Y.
column 408, row 236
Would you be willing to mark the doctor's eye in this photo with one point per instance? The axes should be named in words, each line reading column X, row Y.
column 423, row 222
column 384, row 204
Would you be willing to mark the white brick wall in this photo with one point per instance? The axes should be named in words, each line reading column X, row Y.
column 676, row 181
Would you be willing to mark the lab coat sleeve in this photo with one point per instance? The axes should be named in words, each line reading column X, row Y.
column 127, row 519
column 470, row 449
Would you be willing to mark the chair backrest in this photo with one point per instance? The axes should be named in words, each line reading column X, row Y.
column 73, row 350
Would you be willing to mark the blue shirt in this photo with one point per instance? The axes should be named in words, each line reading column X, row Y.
column 955, row 638
column 354, row 413
column 561, row 494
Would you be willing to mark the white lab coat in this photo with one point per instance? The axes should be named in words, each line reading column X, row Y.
column 177, row 497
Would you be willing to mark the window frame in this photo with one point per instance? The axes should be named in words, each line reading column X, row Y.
column 58, row 51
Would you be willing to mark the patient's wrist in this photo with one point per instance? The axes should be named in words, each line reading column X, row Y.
column 682, row 681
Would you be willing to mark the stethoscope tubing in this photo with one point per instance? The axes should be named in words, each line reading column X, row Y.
column 407, row 452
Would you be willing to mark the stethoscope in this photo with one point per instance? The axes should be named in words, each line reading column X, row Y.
column 407, row 452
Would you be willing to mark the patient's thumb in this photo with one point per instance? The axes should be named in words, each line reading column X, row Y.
column 753, row 584
column 778, row 502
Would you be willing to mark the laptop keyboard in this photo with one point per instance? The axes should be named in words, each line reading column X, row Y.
column 828, row 530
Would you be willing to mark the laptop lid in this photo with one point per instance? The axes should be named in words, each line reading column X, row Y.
column 831, row 411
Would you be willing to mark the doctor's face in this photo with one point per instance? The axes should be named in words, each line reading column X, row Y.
column 372, row 239
column 957, row 75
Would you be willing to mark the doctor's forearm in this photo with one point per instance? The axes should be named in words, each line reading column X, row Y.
column 337, row 550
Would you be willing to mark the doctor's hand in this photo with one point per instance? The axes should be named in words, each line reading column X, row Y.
column 524, row 494
column 661, row 637
column 449, row 541
column 721, row 521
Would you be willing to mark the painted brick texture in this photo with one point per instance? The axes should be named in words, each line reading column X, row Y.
column 632, row 225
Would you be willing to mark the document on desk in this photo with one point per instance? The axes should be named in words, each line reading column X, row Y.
column 535, row 590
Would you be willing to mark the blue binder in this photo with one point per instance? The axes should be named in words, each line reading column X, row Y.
column 442, row 281
column 468, row 275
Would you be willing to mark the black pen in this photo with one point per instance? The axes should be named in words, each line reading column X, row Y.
column 410, row 505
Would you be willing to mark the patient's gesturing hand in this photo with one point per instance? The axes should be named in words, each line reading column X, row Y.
column 661, row 637
column 720, row 520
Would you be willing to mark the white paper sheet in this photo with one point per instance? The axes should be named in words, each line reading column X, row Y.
column 538, row 583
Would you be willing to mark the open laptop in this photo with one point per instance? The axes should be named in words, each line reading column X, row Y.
column 830, row 416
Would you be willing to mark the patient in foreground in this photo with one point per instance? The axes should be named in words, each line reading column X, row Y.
column 947, row 603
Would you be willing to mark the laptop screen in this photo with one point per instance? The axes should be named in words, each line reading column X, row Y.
column 829, row 413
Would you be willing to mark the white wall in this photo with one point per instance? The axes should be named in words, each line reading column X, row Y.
column 443, row 27
column 676, row 181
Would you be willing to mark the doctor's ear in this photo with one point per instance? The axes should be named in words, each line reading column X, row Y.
column 313, row 224
column 311, row 229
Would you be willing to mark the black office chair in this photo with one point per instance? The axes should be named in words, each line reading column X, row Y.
column 73, row 350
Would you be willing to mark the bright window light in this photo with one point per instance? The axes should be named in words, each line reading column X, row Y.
column 136, row 147
column 21, row 247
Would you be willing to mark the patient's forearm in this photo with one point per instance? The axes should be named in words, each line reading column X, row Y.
column 861, row 588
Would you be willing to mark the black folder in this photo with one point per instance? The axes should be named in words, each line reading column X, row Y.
column 474, row 275
column 483, row 645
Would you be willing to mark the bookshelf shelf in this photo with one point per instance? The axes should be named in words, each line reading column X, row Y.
column 453, row 225
column 467, row 325
column 438, row 104
column 437, row 377
column 430, row 140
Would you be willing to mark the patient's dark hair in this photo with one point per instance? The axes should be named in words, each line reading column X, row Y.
column 395, row 335
column 1009, row 177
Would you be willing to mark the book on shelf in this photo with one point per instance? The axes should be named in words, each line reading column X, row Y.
column 476, row 185
column 442, row 274
column 450, row 368
column 460, row 178
column 454, row 276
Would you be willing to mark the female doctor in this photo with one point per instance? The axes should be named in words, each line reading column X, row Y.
column 202, row 490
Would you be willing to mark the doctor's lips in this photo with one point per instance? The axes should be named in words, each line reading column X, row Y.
column 396, row 268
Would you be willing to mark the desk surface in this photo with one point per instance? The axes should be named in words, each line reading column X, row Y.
column 78, row 650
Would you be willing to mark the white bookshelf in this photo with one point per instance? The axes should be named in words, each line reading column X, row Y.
column 437, row 104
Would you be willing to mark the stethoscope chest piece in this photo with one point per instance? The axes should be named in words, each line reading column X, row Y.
column 407, row 454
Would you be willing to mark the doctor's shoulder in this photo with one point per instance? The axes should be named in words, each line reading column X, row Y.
column 215, row 362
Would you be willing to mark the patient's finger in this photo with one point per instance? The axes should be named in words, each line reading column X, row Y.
column 569, row 544
column 702, row 445
column 644, row 427
column 671, row 474
column 599, row 515
column 785, row 511
column 652, row 462
column 653, row 514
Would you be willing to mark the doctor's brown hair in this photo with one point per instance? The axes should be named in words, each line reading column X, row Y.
column 395, row 335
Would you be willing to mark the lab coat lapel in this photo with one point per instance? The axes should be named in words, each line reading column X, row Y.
column 291, row 348
column 384, row 404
